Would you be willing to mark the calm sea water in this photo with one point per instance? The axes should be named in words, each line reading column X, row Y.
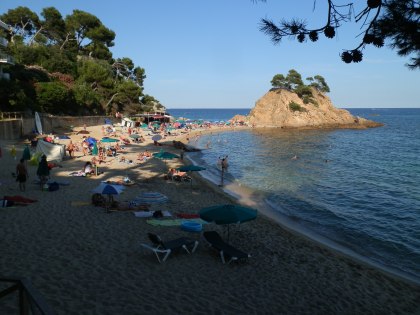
column 358, row 188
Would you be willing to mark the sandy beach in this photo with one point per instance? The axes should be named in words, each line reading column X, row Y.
column 84, row 260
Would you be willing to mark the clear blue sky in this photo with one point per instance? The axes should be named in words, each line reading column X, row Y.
column 211, row 54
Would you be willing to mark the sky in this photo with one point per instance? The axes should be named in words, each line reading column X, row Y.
column 211, row 54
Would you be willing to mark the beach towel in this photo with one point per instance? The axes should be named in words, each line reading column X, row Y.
column 188, row 215
column 19, row 200
column 148, row 214
column 80, row 203
column 173, row 222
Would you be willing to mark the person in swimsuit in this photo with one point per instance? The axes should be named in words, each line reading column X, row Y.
column 21, row 174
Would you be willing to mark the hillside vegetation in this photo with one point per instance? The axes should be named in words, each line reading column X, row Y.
column 63, row 65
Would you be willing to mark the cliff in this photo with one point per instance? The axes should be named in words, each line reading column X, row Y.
column 273, row 110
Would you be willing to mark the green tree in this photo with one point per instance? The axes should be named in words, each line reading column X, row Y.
column 319, row 83
column 294, row 79
column 23, row 22
column 393, row 20
column 88, row 100
column 83, row 26
column 55, row 98
column 279, row 81
column 53, row 27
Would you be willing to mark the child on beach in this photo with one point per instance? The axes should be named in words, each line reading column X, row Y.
column 21, row 174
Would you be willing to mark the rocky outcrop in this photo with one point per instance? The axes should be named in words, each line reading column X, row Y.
column 273, row 110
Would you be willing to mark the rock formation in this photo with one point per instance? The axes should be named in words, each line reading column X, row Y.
column 273, row 110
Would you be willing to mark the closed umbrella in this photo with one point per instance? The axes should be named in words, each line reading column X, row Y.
column 95, row 149
column 149, row 198
column 228, row 214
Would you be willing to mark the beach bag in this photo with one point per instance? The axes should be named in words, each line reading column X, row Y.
column 53, row 186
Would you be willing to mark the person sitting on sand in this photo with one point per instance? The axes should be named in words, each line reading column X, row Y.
column 109, row 152
column 171, row 173
column 101, row 156
column 88, row 168
column 147, row 154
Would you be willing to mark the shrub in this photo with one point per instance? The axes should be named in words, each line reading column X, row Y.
column 294, row 107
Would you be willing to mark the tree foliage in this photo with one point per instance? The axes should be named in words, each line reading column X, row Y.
column 64, row 66
column 395, row 21
column 293, row 82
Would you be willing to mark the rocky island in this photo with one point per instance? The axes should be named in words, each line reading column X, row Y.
column 292, row 104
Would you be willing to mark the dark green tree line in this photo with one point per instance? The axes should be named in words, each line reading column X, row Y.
column 294, row 83
column 64, row 66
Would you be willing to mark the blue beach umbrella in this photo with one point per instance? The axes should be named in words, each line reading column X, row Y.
column 108, row 189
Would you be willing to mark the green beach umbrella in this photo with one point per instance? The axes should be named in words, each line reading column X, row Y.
column 163, row 155
column 191, row 168
column 109, row 140
column 228, row 214
column 95, row 149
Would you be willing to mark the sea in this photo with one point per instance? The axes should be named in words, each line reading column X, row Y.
column 355, row 190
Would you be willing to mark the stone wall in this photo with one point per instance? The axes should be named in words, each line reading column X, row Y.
column 14, row 129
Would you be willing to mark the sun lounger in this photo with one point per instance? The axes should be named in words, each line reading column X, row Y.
column 225, row 250
column 161, row 248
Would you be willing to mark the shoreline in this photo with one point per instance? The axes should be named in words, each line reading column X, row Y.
column 81, row 258
column 242, row 195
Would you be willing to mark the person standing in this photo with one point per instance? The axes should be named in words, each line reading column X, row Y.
column 43, row 171
column 21, row 174
column 70, row 148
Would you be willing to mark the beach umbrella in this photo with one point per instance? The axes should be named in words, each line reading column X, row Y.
column 63, row 137
column 163, row 155
column 227, row 214
column 191, row 168
column 144, row 126
column 152, row 197
column 135, row 136
column 95, row 149
column 109, row 140
column 156, row 137
column 110, row 190
column 84, row 132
